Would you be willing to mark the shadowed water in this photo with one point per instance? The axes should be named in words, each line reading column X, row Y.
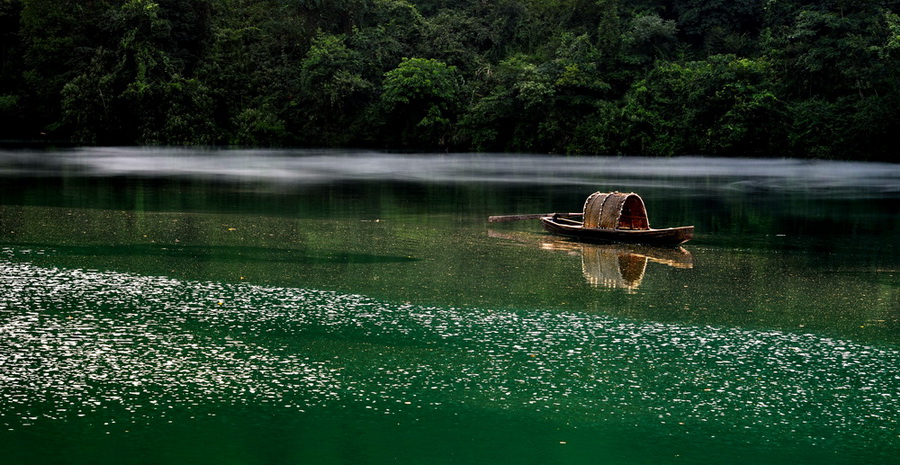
column 272, row 309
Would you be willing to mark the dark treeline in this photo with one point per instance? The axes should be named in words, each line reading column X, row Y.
column 647, row 77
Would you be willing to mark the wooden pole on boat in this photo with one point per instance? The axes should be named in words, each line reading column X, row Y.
column 534, row 216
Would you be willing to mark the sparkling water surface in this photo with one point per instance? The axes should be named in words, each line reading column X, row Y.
column 390, row 324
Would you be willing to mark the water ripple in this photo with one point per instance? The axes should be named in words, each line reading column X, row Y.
column 77, row 343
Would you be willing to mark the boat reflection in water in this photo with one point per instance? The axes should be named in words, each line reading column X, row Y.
column 619, row 266
column 614, row 266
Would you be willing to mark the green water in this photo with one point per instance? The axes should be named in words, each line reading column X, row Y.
column 358, row 309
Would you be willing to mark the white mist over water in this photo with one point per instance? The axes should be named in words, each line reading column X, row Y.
column 86, row 352
column 335, row 166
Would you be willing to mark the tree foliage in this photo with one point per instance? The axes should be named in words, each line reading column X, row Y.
column 816, row 78
column 722, row 105
column 421, row 98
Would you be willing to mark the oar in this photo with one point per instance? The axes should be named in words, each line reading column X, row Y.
column 534, row 216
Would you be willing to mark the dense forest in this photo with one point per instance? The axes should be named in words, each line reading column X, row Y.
column 797, row 78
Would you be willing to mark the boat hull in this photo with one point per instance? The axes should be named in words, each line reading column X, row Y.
column 668, row 237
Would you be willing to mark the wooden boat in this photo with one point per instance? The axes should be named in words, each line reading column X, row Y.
column 614, row 217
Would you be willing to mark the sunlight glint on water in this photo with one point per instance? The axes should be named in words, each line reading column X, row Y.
column 81, row 343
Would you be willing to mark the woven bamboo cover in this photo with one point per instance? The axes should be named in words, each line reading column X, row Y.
column 615, row 210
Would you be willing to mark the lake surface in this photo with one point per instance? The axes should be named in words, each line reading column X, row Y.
column 325, row 307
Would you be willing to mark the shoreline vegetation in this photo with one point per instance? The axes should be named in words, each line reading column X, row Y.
column 796, row 78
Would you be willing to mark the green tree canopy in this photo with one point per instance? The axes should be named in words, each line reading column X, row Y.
column 816, row 78
column 422, row 97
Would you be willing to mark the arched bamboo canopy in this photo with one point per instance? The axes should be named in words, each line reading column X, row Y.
column 615, row 210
